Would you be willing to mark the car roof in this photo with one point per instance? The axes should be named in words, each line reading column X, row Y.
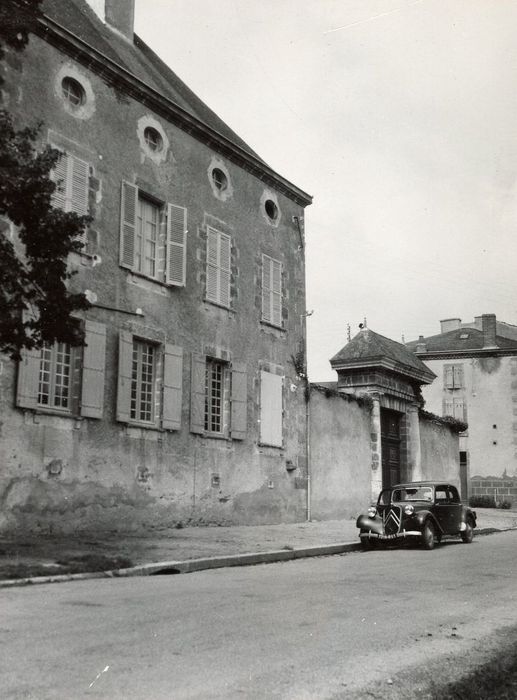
column 418, row 484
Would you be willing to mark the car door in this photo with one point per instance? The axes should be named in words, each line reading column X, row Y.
column 455, row 509
column 441, row 509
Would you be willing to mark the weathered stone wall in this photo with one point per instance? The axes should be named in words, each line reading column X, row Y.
column 65, row 474
column 341, row 457
column 502, row 489
column 342, row 469
column 439, row 452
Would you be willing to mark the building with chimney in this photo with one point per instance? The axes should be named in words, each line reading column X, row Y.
column 476, row 368
column 185, row 405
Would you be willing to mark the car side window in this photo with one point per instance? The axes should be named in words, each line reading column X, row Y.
column 454, row 496
column 441, row 494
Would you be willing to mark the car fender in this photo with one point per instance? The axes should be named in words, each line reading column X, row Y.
column 364, row 522
column 468, row 514
column 424, row 515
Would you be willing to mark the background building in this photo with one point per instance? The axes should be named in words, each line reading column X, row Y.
column 476, row 368
column 187, row 403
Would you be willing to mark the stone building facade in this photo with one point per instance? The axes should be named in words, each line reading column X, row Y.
column 476, row 368
column 185, row 405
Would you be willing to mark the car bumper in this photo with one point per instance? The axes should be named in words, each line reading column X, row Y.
column 382, row 536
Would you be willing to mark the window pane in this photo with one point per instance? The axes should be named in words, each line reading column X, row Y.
column 142, row 381
column 55, row 376
column 146, row 242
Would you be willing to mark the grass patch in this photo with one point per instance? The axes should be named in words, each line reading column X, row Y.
column 81, row 564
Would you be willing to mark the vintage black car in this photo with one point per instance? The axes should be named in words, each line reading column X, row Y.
column 421, row 511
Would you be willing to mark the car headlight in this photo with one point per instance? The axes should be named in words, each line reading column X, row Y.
column 409, row 510
column 372, row 512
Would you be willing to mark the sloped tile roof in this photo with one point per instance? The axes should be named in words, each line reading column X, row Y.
column 78, row 18
column 460, row 339
column 371, row 348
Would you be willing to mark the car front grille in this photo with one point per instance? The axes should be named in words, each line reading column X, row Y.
column 391, row 518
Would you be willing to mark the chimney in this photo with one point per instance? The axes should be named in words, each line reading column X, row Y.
column 421, row 346
column 489, row 330
column 450, row 324
column 118, row 14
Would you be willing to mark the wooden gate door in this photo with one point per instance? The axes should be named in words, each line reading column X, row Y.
column 390, row 441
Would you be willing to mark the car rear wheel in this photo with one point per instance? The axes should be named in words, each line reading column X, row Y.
column 428, row 534
column 468, row 533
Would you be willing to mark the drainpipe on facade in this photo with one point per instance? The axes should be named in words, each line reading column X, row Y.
column 307, row 414
column 308, row 442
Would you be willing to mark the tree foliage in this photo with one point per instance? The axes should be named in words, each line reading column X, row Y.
column 35, row 302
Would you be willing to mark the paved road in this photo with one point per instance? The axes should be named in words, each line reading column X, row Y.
column 314, row 628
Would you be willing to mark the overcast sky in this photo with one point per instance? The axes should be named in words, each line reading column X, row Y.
column 399, row 117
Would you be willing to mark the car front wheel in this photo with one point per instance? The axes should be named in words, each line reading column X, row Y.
column 468, row 533
column 428, row 534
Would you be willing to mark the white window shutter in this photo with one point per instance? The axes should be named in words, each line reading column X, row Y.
column 239, row 397
column 271, row 409
column 276, row 292
column 458, row 376
column 212, row 266
column 266, row 288
column 128, row 214
column 125, row 363
column 59, row 175
column 225, row 262
column 448, row 407
column 218, row 267
column 94, row 360
column 172, row 387
column 448, row 376
column 175, row 270
column 197, row 394
column 28, row 379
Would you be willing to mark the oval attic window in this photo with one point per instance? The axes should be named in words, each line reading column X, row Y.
column 219, row 178
column 153, row 139
column 271, row 209
column 73, row 92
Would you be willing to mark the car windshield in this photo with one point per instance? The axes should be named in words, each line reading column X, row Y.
column 411, row 493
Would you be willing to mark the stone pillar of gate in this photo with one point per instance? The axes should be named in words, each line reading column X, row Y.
column 414, row 452
column 376, row 447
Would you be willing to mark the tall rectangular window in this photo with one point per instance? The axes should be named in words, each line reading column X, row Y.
column 146, row 239
column 218, row 267
column 153, row 237
column 215, row 396
column 72, row 178
column 271, row 409
column 54, row 386
column 142, row 381
column 453, row 376
column 271, row 291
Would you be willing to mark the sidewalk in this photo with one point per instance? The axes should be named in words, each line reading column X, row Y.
column 189, row 549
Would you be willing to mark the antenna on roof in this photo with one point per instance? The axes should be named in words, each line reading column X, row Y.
column 403, row 339
column 348, row 333
column 364, row 322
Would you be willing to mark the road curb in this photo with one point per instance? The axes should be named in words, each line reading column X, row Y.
column 187, row 566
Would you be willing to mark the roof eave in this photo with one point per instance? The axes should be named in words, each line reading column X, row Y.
column 425, row 376
column 57, row 35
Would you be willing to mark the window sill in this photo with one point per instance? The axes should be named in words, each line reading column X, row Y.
column 216, row 436
column 144, row 426
column 268, row 324
column 138, row 279
column 42, row 411
column 219, row 306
